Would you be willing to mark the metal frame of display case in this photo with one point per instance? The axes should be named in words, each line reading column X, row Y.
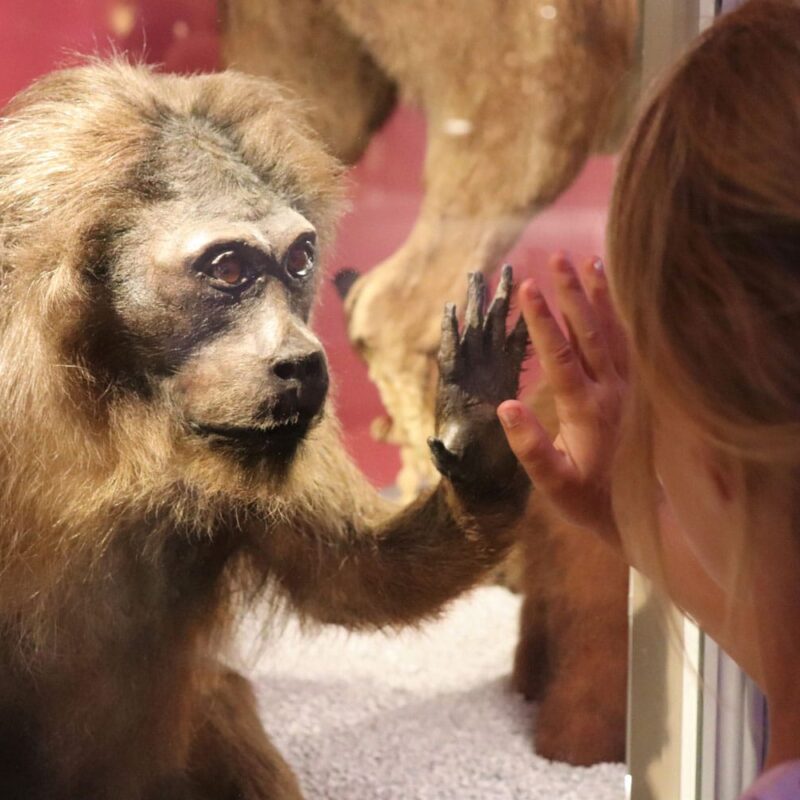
column 696, row 723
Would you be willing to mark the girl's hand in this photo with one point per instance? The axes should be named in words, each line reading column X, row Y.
column 586, row 372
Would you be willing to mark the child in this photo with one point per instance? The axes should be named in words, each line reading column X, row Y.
column 704, row 243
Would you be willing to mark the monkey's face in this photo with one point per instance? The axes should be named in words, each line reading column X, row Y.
column 256, row 378
column 211, row 292
column 159, row 237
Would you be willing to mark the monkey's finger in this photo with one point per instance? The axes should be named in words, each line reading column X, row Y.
column 446, row 462
column 448, row 345
column 518, row 343
column 476, row 302
column 498, row 310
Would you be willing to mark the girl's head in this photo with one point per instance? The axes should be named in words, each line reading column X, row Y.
column 705, row 268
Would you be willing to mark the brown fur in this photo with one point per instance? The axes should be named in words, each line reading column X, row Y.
column 572, row 656
column 130, row 539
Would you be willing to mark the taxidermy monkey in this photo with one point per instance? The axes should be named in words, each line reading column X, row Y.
column 167, row 448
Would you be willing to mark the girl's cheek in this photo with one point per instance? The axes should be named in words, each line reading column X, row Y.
column 704, row 512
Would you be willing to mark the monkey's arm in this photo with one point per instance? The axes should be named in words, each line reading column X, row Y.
column 345, row 556
column 361, row 562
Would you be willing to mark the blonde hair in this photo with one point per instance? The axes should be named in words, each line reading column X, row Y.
column 704, row 247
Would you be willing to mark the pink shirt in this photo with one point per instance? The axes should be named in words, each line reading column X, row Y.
column 780, row 783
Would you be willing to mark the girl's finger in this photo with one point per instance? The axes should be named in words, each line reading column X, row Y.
column 545, row 465
column 584, row 327
column 596, row 283
column 560, row 365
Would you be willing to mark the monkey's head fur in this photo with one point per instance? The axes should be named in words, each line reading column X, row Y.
column 159, row 240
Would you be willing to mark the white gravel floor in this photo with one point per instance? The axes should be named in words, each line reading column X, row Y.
column 421, row 715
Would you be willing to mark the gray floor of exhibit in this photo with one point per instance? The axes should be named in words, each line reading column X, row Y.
column 421, row 715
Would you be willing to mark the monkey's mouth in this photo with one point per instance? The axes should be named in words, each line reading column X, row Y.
column 278, row 439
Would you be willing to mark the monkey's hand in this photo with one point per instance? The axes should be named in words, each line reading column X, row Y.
column 477, row 371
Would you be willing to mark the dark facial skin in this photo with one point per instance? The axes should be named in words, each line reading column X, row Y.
column 209, row 295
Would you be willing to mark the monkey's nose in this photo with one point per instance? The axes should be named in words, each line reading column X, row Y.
column 307, row 367
column 302, row 384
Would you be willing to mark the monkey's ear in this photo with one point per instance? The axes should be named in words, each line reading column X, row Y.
column 343, row 280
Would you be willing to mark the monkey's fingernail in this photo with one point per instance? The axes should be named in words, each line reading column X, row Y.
column 599, row 266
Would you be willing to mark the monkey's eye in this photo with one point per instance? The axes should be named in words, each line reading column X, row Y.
column 226, row 267
column 299, row 260
column 229, row 268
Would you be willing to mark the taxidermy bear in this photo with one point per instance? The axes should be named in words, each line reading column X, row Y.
column 168, row 452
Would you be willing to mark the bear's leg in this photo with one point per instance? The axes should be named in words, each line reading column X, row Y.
column 582, row 716
column 532, row 669
column 530, row 659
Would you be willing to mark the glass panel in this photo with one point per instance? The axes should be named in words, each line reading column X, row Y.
column 697, row 723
